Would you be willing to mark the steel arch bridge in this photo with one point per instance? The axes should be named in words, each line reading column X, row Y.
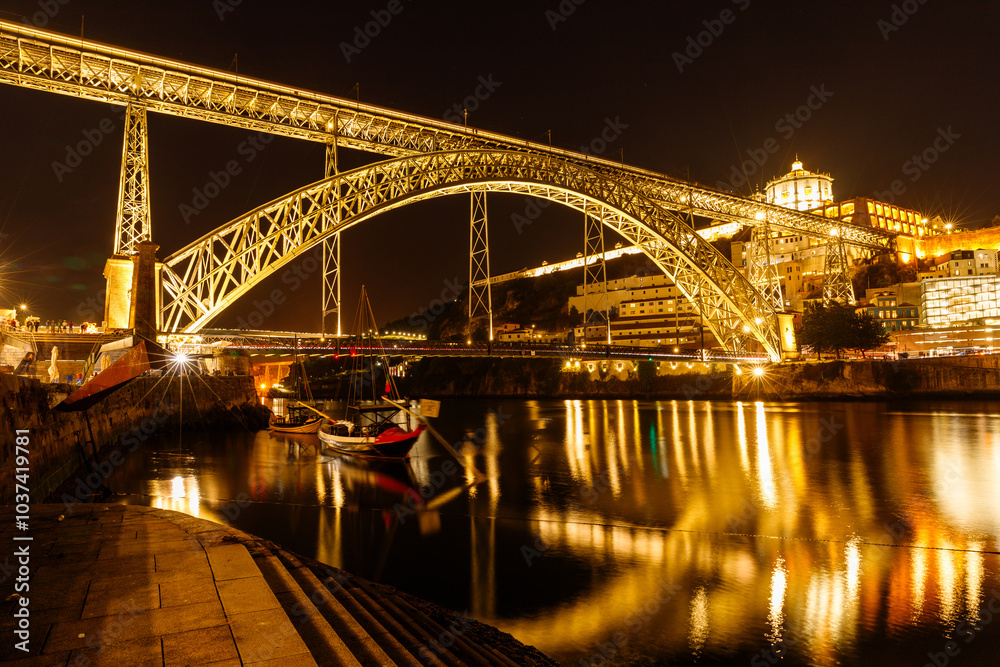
column 258, row 243
column 199, row 281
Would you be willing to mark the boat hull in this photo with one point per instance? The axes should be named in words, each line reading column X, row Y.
column 311, row 426
column 393, row 443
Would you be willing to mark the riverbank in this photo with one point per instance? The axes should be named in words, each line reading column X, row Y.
column 132, row 585
column 62, row 442
column 946, row 377
column 937, row 377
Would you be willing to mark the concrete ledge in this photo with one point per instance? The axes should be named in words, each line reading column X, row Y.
column 134, row 585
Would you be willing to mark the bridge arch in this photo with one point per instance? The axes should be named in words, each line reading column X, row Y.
column 202, row 279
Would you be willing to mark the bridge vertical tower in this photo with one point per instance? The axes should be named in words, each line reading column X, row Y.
column 595, row 275
column 331, row 254
column 837, row 284
column 480, row 293
column 132, row 226
column 761, row 271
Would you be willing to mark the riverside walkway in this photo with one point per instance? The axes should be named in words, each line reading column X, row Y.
column 134, row 585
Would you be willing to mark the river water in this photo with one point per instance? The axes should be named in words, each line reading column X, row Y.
column 647, row 532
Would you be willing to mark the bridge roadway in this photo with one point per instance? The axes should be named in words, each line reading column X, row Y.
column 39, row 59
column 288, row 346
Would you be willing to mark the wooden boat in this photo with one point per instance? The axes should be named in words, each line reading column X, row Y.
column 296, row 422
column 391, row 441
column 310, row 427
column 373, row 426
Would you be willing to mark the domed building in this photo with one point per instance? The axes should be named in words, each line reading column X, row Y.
column 800, row 189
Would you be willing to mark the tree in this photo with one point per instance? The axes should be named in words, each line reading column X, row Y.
column 868, row 333
column 811, row 332
column 647, row 375
column 827, row 328
column 837, row 328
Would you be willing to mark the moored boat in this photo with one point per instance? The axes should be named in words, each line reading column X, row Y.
column 312, row 426
column 297, row 421
column 374, row 426
column 383, row 440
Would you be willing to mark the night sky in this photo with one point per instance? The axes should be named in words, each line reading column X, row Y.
column 885, row 82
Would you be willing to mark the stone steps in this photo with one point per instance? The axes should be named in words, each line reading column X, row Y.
column 130, row 585
column 348, row 622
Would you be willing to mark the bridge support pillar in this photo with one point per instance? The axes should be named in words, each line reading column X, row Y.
column 837, row 284
column 331, row 255
column 132, row 225
column 480, row 293
column 761, row 272
column 595, row 276
column 145, row 306
column 331, row 280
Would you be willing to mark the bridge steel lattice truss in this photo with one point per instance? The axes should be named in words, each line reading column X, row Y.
column 39, row 59
column 214, row 271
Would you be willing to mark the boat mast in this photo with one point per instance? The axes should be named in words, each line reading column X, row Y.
column 295, row 366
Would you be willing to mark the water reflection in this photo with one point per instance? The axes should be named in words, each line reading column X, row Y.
column 676, row 530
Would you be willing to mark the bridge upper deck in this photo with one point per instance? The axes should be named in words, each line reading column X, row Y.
column 43, row 60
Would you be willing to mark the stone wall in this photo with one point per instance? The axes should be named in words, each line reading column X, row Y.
column 940, row 376
column 549, row 378
column 60, row 440
column 934, row 246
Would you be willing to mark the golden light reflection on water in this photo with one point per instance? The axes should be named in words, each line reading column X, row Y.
column 698, row 634
column 821, row 585
column 180, row 493
column 492, row 450
column 768, row 495
column 678, row 441
column 706, row 526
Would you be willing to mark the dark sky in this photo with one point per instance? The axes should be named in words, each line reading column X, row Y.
column 888, row 91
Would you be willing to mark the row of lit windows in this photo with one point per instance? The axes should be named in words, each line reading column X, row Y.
column 903, row 324
column 650, row 304
column 840, row 211
column 641, row 332
column 893, row 314
column 895, row 226
column 894, row 212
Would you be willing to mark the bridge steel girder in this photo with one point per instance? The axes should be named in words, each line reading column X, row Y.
column 39, row 59
column 208, row 275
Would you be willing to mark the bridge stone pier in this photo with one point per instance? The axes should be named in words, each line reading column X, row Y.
column 118, row 297
column 133, row 291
